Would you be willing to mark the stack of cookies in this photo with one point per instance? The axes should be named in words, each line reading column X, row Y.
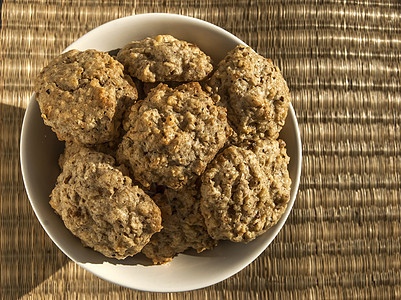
column 165, row 152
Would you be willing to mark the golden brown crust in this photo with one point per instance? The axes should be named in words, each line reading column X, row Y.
column 82, row 96
column 253, row 91
column 172, row 135
column 99, row 205
column 243, row 193
column 164, row 58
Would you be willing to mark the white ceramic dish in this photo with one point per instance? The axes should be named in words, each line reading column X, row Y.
column 40, row 149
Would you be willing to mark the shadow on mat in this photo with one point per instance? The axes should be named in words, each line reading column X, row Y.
column 28, row 256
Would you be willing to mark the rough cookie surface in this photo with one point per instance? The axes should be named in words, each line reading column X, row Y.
column 236, row 200
column 148, row 86
column 183, row 226
column 273, row 158
column 164, row 58
column 82, row 96
column 172, row 135
column 99, row 205
column 108, row 148
column 254, row 92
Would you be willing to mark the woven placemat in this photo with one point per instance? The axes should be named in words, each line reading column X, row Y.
column 342, row 61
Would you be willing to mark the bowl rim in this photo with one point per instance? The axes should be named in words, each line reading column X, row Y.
column 274, row 230
column 146, row 15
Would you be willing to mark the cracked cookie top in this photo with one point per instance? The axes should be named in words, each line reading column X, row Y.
column 241, row 195
column 82, row 96
column 102, row 207
column 254, row 92
column 164, row 58
column 172, row 135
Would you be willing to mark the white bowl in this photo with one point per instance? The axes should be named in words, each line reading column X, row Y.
column 40, row 149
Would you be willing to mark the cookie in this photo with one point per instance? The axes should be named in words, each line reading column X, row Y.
column 236, row 200
column 99, row 205
column 254, row 92
column 82, row 96
column 72, row 148
column 164, row 58
column 172, row 135
column 183, row 226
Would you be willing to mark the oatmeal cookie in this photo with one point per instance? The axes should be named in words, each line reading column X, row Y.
column 82, row 96
column 99, row 205
column 164, row 58
column 183, row 226
column 236, row 200
column 254, row 92
column 172, row 135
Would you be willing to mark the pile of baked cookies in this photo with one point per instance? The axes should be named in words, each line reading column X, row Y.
column 164, row 151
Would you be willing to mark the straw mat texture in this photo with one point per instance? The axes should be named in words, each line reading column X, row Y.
column 342, row 61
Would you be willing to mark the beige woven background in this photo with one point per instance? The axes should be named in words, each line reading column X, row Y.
column 342, row 61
